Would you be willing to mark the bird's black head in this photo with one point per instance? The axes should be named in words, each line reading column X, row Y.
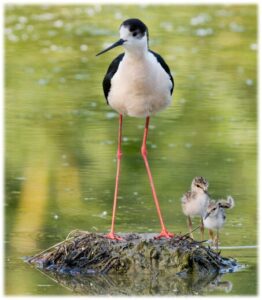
column 136, row 27
column 133, row 37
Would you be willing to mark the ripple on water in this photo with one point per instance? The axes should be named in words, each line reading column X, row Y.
column 249, row 82
column 253, row 46
column 200, row 19
column 83, row 47
column 204, row 32
column 43, row 17
column 235, row 27
column 58, row 23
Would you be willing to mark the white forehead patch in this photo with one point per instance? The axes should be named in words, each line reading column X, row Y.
column 124, row 32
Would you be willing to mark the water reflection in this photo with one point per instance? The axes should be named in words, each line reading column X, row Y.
column 61, row 137
column 139, row 284
column 220, row 285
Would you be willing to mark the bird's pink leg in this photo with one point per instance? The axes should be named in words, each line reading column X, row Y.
column 202, row 229
column 164, row 232
column 111, row 234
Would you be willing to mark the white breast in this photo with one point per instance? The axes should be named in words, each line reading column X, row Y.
column 215, row 222
column 140, row 87
column 195, row 206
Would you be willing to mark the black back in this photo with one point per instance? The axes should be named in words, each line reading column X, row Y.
column 165, row 67
column 110, row 73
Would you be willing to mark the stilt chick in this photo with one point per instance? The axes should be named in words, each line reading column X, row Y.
column 195, row 202
column 215, row 217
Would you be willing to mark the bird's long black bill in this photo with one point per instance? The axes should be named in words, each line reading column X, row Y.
column 206, row 215
column 118, row 43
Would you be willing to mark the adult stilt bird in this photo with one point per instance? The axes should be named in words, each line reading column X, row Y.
column 138, row 83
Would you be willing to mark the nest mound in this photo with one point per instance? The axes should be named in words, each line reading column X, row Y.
column 91, row 253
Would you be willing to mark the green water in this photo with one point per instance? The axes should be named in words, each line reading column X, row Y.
column 60, row 136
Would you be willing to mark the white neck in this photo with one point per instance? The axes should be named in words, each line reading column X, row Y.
column 136, row 53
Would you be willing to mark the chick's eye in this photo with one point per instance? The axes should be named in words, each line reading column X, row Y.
column 135, row 34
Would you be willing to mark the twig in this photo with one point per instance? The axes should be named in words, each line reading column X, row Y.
column 52, row 247
column 190, row 231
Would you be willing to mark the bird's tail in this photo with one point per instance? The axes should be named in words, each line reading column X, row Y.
column 229, row 203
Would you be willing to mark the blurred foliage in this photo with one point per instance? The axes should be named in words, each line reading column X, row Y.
column 60, row 139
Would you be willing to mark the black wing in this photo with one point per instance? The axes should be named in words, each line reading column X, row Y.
column 165, row 67
column 110, row 73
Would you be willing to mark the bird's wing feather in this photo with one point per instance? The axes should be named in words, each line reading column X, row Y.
column 224, row 204
column 165, row 67
column 110, row 73
column 186, row 197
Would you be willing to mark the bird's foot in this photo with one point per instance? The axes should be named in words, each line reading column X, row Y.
column 113, row 236
column 165, row 234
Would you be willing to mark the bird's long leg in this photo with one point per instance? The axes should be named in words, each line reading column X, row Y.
column 217, row 239
column 164, row 232
column 211, row 235
column 202, row 229
column 189, row 222
column 111, row 234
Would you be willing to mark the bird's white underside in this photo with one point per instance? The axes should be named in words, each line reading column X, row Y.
column 140, row 87
column 196, row 206
column 215, row 222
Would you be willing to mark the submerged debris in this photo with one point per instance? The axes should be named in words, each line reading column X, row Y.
column 91, row 253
